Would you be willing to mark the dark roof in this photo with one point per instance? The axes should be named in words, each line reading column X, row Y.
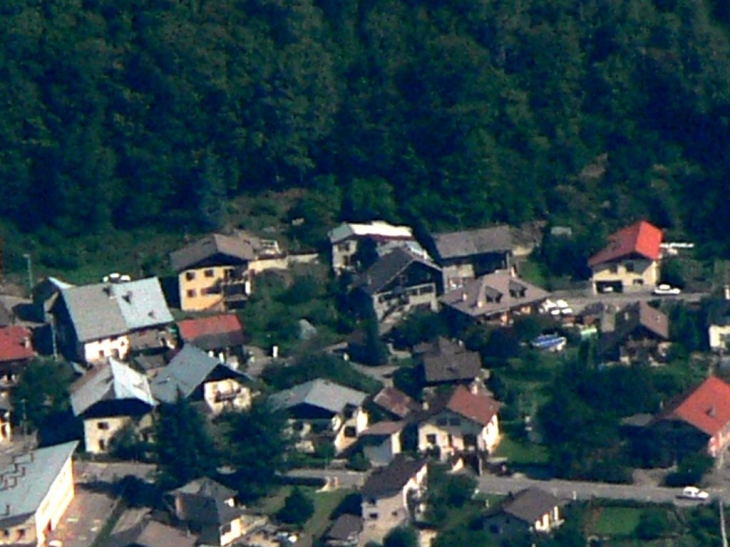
column 233, row 247
column 396, row 402
column 530, row 505
column 392, row 478
column 204, row 501
column 345, row 528
column 492, row 294
column 212, row 333
column 641, row 239
column 467, row 243
column 447, row 361
column 375, row 278
column 628, row 319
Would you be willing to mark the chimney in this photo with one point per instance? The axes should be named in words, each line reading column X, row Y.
column 726, row 291
column 128, row 296
column 463, row 296
column 425, row 405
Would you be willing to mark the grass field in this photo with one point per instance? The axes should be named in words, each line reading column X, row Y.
column 522, row 453
column 616, row 521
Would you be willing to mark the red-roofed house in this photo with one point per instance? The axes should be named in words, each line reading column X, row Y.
column 220, row 336
column 463, row 420
column 630, row 261
column 706, row 409
column 16, row 350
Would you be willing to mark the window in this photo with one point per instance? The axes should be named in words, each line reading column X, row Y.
column 102, row 445
column 373, row 516
column 638, row 282
column 226, row 529
column 442, row 421
column 21, row 533
column 455, row 421
column 209, row 272
column 191, row 293
column 431, row 439
column 350, row 432
column 613, row 268
column 102, row 354
column 189, row 276
column 103, row 425
column 630, row 267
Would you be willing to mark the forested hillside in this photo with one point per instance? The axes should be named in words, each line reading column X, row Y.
column 121, row 113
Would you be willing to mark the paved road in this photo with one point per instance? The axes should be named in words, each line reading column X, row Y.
column 490, row 484
column 580, row 299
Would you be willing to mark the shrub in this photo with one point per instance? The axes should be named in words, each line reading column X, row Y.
column 298, row 508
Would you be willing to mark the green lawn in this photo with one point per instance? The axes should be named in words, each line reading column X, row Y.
column 522, row 453
column 617, row 521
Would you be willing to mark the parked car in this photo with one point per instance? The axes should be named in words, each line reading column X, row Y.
column 664, row 289
column 693, row 493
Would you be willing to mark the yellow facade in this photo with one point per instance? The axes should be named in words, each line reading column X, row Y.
column 451, row 434
column 226, row 394
column 201, row 289
column 98, row 350
column 632, row 274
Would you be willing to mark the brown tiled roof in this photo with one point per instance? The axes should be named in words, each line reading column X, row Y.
column 382, row 429
column 447, row 361
column 392, row 478
column 214, row 332
column 493, row 294
column 396, row 402
column 15, row 344
column 477, row 407
column 473, row 242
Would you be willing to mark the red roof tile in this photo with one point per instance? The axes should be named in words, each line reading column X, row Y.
column 707, row 407
column 15, row 344
column 477, row 407
column 641, row 239
column 190, row 329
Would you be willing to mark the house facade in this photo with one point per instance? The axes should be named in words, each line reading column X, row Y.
column 216, row 272
column 460, row 422
column 530, row 511
column 324, row 412
column 37, row 489
column 345, row 240
column 399, row 282
column 381, row 442
column 221, row 336
column 636, row 333
column 629, row 262
column 108, row 398
column 495, row 298
column 392, row 496
column 93, row 322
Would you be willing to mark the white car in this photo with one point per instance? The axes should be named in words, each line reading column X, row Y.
column 664, row 289
column 693, row 493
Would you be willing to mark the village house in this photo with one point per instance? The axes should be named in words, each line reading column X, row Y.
column 44, row 296
column 108, row 398
column 395, row 404
column 344, row 532
column 695, row 421
column 460, row 422
column 392, row 496
column 718, row 322
column 381, row 442
column 220, row 336
column 347, row 239
column 636, row 333
column 150, row 533
column 629, row 262
column 209, row 510
column 216, row 271
column 323, row 411
column 36, row 489
column 468, row 254
column 198, row 377
column 494, row 298
column 445, row 362
column 399, row 282
column 93, row 322
column 530, row 511
column 16, row 351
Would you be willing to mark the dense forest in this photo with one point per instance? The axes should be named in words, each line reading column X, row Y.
column 124, row 113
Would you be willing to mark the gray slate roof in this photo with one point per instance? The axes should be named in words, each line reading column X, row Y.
column 492, row 294
column 319, row 393
column 151, row 533
column 391, row 478
column 473, row 242
column 345, row 528
column 110, row 309
column 203, row 502
column 375, row 278
column 23, row 488
column 110, row 381
column 530, row 505
column 235, row 247
column 447, row 361
column 186, row 371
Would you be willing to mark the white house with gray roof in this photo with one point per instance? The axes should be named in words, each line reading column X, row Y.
column 103, row 320
column 36, row 488
column 108, row 398
column 325, row 412
column 195, row 375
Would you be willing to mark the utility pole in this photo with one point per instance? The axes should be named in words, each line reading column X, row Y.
column 723, row 532
column 29, row 264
